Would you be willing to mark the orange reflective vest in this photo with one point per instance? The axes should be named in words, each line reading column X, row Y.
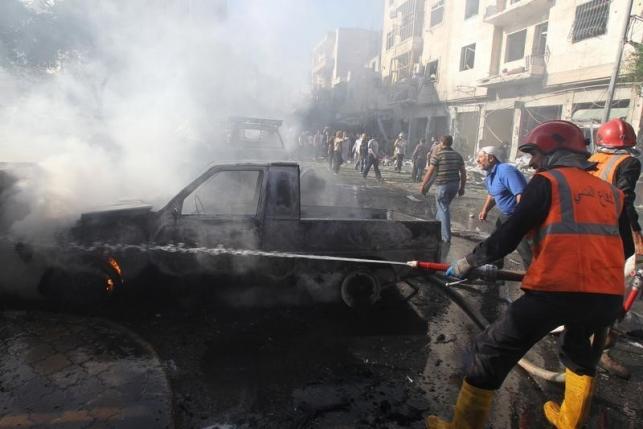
column 607, row 165
column 578, row 247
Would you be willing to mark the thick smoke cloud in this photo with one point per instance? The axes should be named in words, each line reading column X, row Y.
column 132, row 101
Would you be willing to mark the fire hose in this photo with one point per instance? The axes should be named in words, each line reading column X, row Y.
column 637, row 282
column 488, row 273
column 491, row 273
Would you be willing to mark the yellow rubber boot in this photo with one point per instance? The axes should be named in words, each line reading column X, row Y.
column 471, row 409
column 571, row 414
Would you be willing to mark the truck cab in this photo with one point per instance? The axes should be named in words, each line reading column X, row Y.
column 255, row 139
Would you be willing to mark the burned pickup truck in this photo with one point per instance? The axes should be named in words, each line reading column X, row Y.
column 223, row 233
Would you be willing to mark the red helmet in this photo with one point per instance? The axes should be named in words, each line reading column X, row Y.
column 616, row 133
column 551, row 136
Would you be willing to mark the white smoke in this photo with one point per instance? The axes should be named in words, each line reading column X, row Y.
column 139, row 114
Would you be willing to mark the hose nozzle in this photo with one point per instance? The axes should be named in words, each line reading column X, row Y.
column 428, row 266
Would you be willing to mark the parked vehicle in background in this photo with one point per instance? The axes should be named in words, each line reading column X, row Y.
column 255, row 139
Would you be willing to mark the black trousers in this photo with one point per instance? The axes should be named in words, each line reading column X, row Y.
column 375, row 163
column 528, row 319
column 399, row 158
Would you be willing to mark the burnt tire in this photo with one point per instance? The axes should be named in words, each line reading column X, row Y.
column 360, row 289
column 86, row 290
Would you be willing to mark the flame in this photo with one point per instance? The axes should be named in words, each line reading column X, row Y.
column 112, row 262
column 109, row 285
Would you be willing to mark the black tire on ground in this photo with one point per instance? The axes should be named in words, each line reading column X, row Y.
column 85, row 290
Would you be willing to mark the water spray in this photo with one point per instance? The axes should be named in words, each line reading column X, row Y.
column 214, row 251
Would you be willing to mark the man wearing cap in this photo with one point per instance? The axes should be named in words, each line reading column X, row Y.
column 505, row 185
column 399, row 151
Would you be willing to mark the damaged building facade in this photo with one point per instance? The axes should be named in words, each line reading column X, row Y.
column 345, row 76
column 488, row 71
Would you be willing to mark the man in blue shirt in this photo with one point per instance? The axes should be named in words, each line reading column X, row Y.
column 505, row 185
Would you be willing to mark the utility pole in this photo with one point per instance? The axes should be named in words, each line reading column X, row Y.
column 617, row 63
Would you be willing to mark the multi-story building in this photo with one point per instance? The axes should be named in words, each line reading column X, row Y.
column 345, row 77
column 324, row 62
column 343, row 54
column 494, row 69
column 402, row 39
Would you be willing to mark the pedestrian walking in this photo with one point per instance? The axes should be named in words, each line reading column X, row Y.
column 338, row 144
column 364, row 152
column 419, row 157
column 575, row 278
column 399, row 151
column 447, row 166
column 328, row 146
column 505, row 186
column 373, row 160
column 316, row 143
column 346, row 147
column 360, row 152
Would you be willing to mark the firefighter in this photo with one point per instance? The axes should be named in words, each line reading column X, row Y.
column 575, row 278
column 616, row 160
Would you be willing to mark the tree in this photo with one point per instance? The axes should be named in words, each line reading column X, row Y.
column 634, row 65
column 44, row 35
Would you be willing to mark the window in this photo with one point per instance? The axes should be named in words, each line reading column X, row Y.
column 432, row 71
column 590, row 20
column 471, row 8
column 283, row 193
column 409, row 11
column 401, row 66
column 226, row 193
column 467, row 57
column 437, row 12
column 406, row 8
column 540, row 40
column 406, row 29
column 390, row 39
column 515, row 46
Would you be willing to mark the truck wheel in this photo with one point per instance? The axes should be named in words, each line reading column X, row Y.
column 360, row 289
column 82, row 290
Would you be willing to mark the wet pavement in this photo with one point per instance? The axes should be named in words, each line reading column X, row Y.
column 315, row 367
column 60, row 371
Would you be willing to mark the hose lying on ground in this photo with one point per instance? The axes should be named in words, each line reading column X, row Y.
column 482, row 323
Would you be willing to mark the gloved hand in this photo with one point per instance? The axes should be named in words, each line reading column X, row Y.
column 459, row 268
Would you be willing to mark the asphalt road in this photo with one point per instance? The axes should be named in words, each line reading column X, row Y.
column 328, row 367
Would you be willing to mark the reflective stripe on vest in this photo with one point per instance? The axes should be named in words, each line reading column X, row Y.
column 579, row 248
column 607, row 165
column 567, row 224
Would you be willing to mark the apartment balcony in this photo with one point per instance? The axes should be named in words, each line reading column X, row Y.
column 410, row 44
column 403, row 91
column 507, row 12
column 530, row 68
column 322, row 64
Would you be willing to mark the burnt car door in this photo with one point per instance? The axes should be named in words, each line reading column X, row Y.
column 222, row 210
